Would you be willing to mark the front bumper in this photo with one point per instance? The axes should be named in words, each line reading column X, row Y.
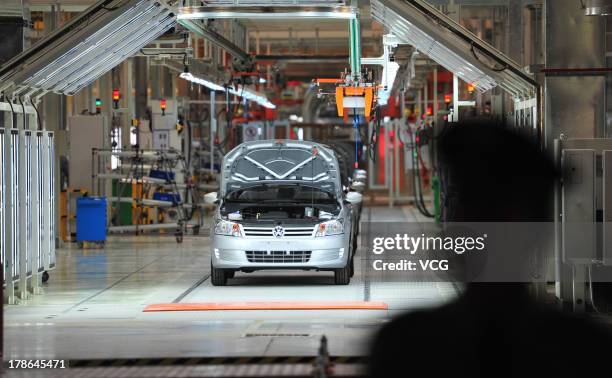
column 327, row 252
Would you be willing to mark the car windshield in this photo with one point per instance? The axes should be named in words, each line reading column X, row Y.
column 280, row 193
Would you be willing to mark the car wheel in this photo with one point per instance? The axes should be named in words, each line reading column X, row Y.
column 342, row 276
column 218, row 276
column 352, row 267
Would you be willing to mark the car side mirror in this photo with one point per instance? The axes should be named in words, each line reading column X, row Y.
column 358, row 186
column 211, row 197
column 353, row 198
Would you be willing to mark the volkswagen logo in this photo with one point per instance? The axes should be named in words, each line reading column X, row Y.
column 278, row 231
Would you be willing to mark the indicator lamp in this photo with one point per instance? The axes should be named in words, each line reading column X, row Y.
column 162, row 106
column 98, row 106
column 116, row 97
column 447, row 98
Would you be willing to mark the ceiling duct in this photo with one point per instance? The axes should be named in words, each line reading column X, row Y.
column 417, row 23
column 81, row 51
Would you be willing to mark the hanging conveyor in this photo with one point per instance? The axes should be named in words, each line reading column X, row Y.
column 417, row 23
column 430, row 31
column 84, row 49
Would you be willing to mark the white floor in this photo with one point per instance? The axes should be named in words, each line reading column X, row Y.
column 93, row 302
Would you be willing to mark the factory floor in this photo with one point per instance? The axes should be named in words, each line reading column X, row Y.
column 93, row 304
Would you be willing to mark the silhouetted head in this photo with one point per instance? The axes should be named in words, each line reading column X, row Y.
column 495, row 174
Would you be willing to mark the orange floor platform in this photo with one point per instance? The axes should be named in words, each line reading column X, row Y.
column 236, row 306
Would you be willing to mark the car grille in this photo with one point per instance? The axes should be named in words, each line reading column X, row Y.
column 278, row 256
column 289, row 231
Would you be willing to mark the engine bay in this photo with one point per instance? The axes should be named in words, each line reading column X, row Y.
column 295, row 212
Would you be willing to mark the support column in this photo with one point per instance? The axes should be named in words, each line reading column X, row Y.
column 213, row 130
column 574, row 105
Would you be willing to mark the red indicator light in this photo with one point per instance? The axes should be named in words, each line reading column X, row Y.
column 448, row 98
column 162, row 106
column 116, row 97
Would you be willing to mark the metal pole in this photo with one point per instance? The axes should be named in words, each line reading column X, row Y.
column 355, row 48
column 389, row 161
column 425, row 98
column 435, row 94
column 213, row 130
column 455, row 114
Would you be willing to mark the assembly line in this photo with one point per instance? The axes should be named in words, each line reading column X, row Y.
column 304, row 188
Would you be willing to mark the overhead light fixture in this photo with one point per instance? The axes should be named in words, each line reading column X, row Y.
column 266, row 12
column 408, row 33
column 452, row 46
column 208, row 84
column 597, row 7
column 85, row 48
column 238, row 91
column 264, row 3
column 251, row 96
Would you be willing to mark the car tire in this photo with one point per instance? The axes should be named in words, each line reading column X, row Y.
column 230, row 273
column 342, row 276
column 352, row 267
column 218, row 277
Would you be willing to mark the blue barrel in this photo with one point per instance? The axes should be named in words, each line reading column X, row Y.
column 91, row 219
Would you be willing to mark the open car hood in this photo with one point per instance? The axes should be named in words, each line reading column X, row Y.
column 280, row 161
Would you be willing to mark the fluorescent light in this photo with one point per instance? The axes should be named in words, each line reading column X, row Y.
column 268, row 105
column 238, row 91
column 101, row 41
column 275, row 12
column 266, row 3
column 208, row 84
column 251, row 96
column 408, row 33
column 451, row 46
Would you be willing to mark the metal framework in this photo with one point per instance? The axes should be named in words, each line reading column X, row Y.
column 84, row 49
column 27, row 204
column 267, row 12
column 452, row 46
column 302, row 3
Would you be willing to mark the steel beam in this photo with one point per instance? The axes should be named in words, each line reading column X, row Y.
column 277, row 12
column 215, row 38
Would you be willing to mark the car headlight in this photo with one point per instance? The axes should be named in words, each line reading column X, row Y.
column 223, row 227
column 334, row 227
